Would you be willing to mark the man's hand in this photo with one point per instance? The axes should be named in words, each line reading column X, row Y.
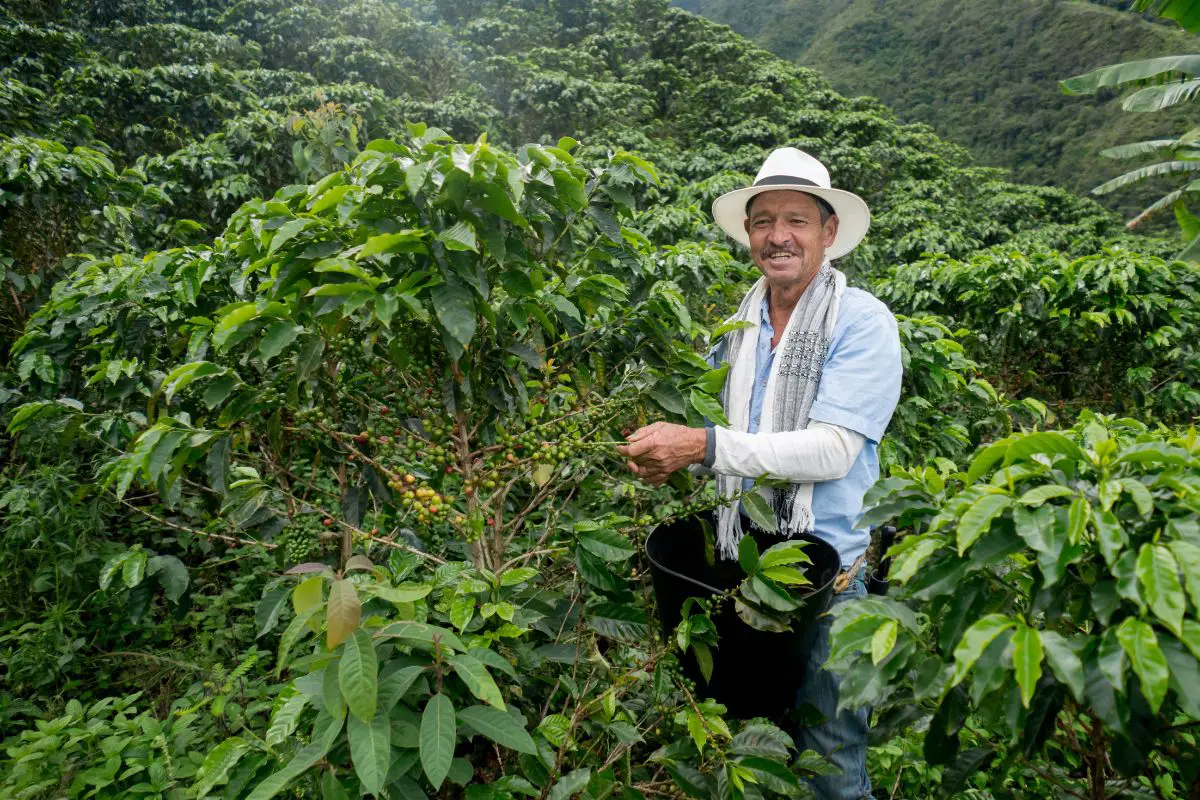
column 657, row 450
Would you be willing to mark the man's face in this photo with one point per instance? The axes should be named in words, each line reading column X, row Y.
column 787, row 238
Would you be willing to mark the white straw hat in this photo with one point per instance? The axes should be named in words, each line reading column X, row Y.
column 789, row 168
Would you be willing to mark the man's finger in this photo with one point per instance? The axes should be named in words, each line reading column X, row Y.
column 634, row 468
column 643, row 432
column 635, row 449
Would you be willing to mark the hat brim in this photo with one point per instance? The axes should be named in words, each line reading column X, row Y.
column 854, row 218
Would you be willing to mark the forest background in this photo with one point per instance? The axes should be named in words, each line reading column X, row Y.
column 320, row 319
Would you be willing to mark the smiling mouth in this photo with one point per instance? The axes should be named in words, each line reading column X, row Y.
column 780, row 256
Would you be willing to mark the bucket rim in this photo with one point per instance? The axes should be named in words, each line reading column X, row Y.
column 808, row 537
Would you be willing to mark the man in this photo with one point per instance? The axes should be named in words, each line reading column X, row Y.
column 813, row 382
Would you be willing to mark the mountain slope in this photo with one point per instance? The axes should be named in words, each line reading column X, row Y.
column 984, row 75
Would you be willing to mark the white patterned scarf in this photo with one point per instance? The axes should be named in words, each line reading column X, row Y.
column 791, row 389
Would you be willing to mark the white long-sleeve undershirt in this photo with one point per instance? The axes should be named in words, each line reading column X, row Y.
column 820, row 452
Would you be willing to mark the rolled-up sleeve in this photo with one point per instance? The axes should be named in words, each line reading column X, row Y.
column 860, row 383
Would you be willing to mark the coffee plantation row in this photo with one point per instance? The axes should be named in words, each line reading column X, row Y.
column 321, row 322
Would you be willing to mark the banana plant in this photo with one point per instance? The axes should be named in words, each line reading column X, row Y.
column 1160, row 83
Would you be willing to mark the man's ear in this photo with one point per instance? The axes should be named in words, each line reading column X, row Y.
column 830, row 230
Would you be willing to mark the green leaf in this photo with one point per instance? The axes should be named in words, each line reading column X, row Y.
column 704, row 659
column 618, row 621
column 172, row 575
column 712, row 381
column 911, row 553
column 515, row 577
column 748, row 554
column 502, row 728
column 1110, row 536
column 370, row 749
column 342, row 614
column 1188, row 556
column 1131, row 72
column 288, row 707
column 358, row 675
column 477, row 679
column 978, row 518
column 437, row 738
column 1110, row 658
column 1160, row 96
column 974, row 641
column 231, row 322
column 454, row 305
column 217, row 764
column 305, row 758
column 883, row 640
column 291, row 635
column 459, row 236
column 1191, row 637
column 329, row 198
column 987, row 458
column 572, row 783
column 462, row 610
column 606, row 544
column 1149, row 664
column 1038, row 495
column 395, row 686
column 1027, row 660
column 708, row 407
column 399, row 595
column 1048, row 443
column 788, row 552
column 408, row 241
column 276, row 337
column 1142, row 173
column 266, row 614
column 308, row 594
column 760, row 512
column 287, row 231
column 556, row 728
column 786, row 575
column 1185, row 675
column 1140, row 494
column 1064, row 662
column 1078, row 517
column 1158, row 575
column 1041, row 529
column 133, row 569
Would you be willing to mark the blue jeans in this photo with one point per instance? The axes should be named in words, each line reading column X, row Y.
column 842, row 738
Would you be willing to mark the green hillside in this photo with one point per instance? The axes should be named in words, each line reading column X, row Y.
column 983, row 75
column 321, row 320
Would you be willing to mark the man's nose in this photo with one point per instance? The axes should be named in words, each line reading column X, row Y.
column 778, row 235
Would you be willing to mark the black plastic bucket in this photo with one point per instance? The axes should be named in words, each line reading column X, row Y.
column 755, row 673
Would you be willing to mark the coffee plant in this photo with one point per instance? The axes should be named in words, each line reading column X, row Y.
column 1049, row 606
column 311, row 416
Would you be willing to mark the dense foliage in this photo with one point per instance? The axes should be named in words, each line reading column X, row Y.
column 321, row 320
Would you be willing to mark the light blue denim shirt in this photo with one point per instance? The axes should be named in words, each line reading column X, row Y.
column 860, row 386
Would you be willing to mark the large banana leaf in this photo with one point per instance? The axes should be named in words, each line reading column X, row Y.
column 1131, row 72
column 1156, row 98
column 1185, row 12
column 1163, row 202
column 1191, row 252
column 1135, row 149
column 1133, row 176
